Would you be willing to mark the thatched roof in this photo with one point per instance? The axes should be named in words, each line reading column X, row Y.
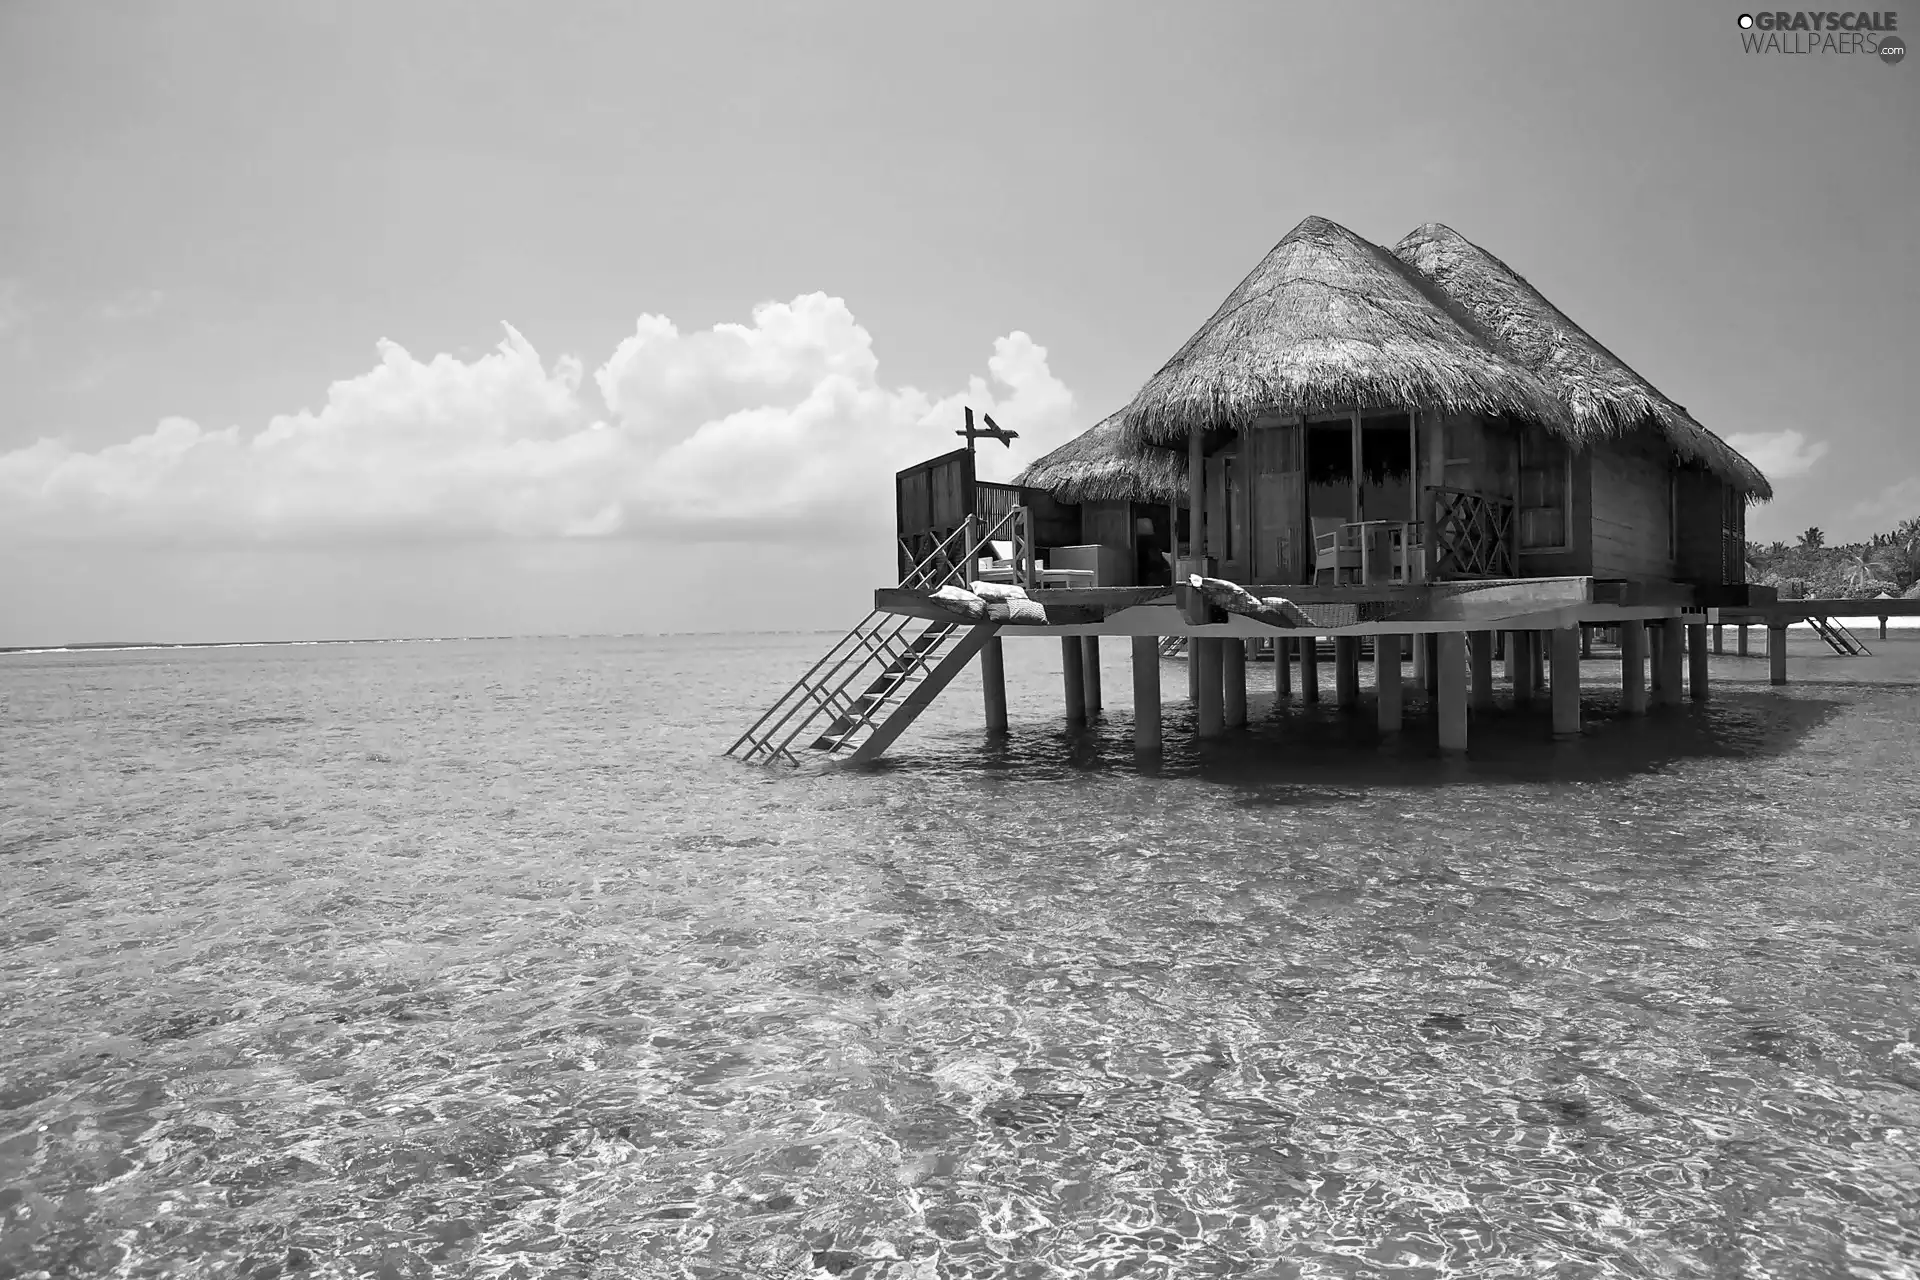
column 1098, row 466
column 1327, row 321
column 1604, row 397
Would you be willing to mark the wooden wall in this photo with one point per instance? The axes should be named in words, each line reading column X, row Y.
column 1055, row 523
column 1107, row 524
column 1632, row 508
column 1703, row 510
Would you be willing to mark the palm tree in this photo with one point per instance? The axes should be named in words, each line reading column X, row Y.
column 1899, row 561
column 1813, row 539
column 1863, row 568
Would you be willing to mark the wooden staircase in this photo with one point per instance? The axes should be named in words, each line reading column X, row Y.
column 1838, row 638
column 898, row 664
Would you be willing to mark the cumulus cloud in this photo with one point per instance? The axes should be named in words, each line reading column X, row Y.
column 1780, row 455
column 777, row 428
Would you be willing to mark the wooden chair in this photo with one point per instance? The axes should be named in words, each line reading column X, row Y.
column 1334, row 548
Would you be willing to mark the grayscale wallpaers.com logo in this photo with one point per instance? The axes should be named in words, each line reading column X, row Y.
column 1876, row 33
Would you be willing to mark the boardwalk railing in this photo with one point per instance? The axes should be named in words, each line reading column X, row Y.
column 1472, row 534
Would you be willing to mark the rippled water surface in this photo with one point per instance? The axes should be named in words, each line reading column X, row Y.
column 475, row 959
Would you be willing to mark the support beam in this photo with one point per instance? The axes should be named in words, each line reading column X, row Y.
column 1346, row 671
column 1520, row 646
column 1586, row 640
column 1420, row 661
column 993, row 684
column 1233, row 678
column 1386, row 679
column 1776, row 655
column 1206, row 655
column 1656, row 670
column 1431, row 645
column 1196, row 504
column 1883, row 628
column 1451, row 701
column 1741, row 641
column 1283, row 667
column 1633, row 667
column 1697, row 661
column 1672, row 659
column 1719, row 638
column 1480, row 670
column 1509, row 660
column 1072, row 680
column 1090, row 672
column 1146, row 693
column 1566, row 682
column 1537, row 646
column 1309, row 668
column 1193, row 671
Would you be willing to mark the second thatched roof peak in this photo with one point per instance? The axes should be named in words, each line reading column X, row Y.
column 1602, row 394
column 1329, row 321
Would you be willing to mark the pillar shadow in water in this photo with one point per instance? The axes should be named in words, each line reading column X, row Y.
column 1294, row 754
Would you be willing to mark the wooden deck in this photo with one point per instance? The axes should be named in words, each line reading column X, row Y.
column 1477, row 605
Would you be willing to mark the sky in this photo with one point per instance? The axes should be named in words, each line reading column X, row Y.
column 373, row 320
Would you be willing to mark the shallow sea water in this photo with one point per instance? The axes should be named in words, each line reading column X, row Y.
column 475, row 959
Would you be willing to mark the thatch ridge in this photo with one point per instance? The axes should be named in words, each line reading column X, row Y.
column 1099, row 466
column 1328, row 321
column 1603, row 395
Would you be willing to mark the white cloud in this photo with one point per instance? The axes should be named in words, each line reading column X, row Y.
column 1780, row 455
column 776, row 429
column 132, row 305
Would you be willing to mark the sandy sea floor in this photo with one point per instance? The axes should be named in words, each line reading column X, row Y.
column 473, row 959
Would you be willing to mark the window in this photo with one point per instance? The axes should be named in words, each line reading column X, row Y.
column 1546, row 483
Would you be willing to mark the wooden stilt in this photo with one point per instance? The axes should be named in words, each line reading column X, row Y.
column 1523, row 668
column 1719, row 639
column 1207, row 656
column 1346, row 671
column 1451, row 700
column 1146, row 693
column 1656, row 670
column 1537, row 644
column 1510, row 660
column 1283, row 667
column 1090, row 672
column 1697, row 661
column 1586, row 641
column 1309, row 668
column 1479, row 669
column 1776, row 655
column 1633, row 667
column 1431, row 643
column 1566, row 682
column 1072, row 679
column 1740, row 640
column 1233, row 678
column 1673, row 659
column 1193, row 670
column 993, row 684
column 1420, row 657
column 1386, row 679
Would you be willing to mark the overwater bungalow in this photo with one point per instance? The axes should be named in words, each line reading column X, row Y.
column 1410, row 446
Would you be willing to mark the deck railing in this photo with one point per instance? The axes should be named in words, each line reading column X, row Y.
column 953, row 560
column 1472, row 534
